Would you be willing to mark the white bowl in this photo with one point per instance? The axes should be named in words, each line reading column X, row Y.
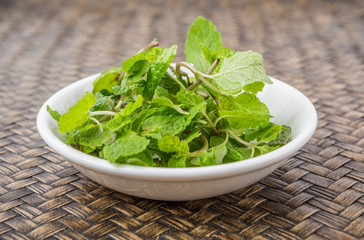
column 287, row 104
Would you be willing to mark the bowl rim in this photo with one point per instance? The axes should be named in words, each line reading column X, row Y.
column 172, row 174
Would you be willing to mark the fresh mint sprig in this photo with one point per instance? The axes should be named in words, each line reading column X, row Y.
column 141, row 113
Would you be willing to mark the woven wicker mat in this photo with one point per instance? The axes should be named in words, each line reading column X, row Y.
column 316, row 46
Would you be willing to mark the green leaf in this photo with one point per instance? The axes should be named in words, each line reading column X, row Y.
column 118, row 122
column 150, row 56
column 107, row 80
column 189, row 99
column 133, row 78
column 126, row 145
column 192, row 135
column 157, row 126
column 92, row 137
column 238, row 70
column 264, row 133
column 140, row 159
column 177, row 162
column 170, row 144
column 101, row 102
column 163, row 101
column 77, row 114
column 53, row 113
column 133, row 106
column 201, row 33
column 244, row 111
column 169, row 84
column 254, row 87
column 208, row 158
column 284, row 136
column 158, row 70
column 137, row 120
column 161, row 92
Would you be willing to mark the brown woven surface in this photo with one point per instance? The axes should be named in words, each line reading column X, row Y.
column 316, row 46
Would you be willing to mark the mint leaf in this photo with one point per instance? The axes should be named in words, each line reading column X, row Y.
column 118, row 122
column 254, row 87
column 133, row 106
column 201, row 33
column 238, row 70
column 263, row 133
column 157, row 70
column 92, row 137
column 244, row 111
column 55, row 115
column 208, row 158
column 140, row 159
column 77, row 115
column 177, row 162
column 170, row 144
column 127, row 145
column 133, row 78
column 169, row 84
column 189, row 99
column 150, row 56
column 107, row 80
column 157, row 126
column 284, row 136
column 101, row 102
column 163, row 101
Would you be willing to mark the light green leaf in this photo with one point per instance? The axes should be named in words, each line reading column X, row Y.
column 150, row 56
column 201, row 33
column 170, row 144
column 77, row 114
column 118, row 122
column 55, row 115
column 107, row 80
column 101, row 102
column 177, row 162
column 157, row 70
column 244, row 111
column 133, row 79
column 238, row 70
column 163, row 101
column 263, row 133
column 92, row 137
column 157, row 126
column 254, row 87
column 189, row 99
column 140, row 159
column 133, row 106
column 284, row 136
column 208, row 158
column 127, row 145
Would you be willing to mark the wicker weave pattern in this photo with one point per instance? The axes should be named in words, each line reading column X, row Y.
column 316, row 46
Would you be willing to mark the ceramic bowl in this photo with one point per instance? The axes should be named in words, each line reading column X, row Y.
column 287, row 104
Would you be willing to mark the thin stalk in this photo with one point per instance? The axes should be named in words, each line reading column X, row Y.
column 97, row 122
column 203, row 149
column 252, row 154
column 149, row 46
column 211, row 68
column 112, row 105
column 218, row 119
column 98, row 113
column 120, row 78
column 236, row 137
column 211, row 124
column 118, row 106
column 177, row 81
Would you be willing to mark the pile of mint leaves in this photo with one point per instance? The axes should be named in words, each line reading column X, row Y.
column 150, row 112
